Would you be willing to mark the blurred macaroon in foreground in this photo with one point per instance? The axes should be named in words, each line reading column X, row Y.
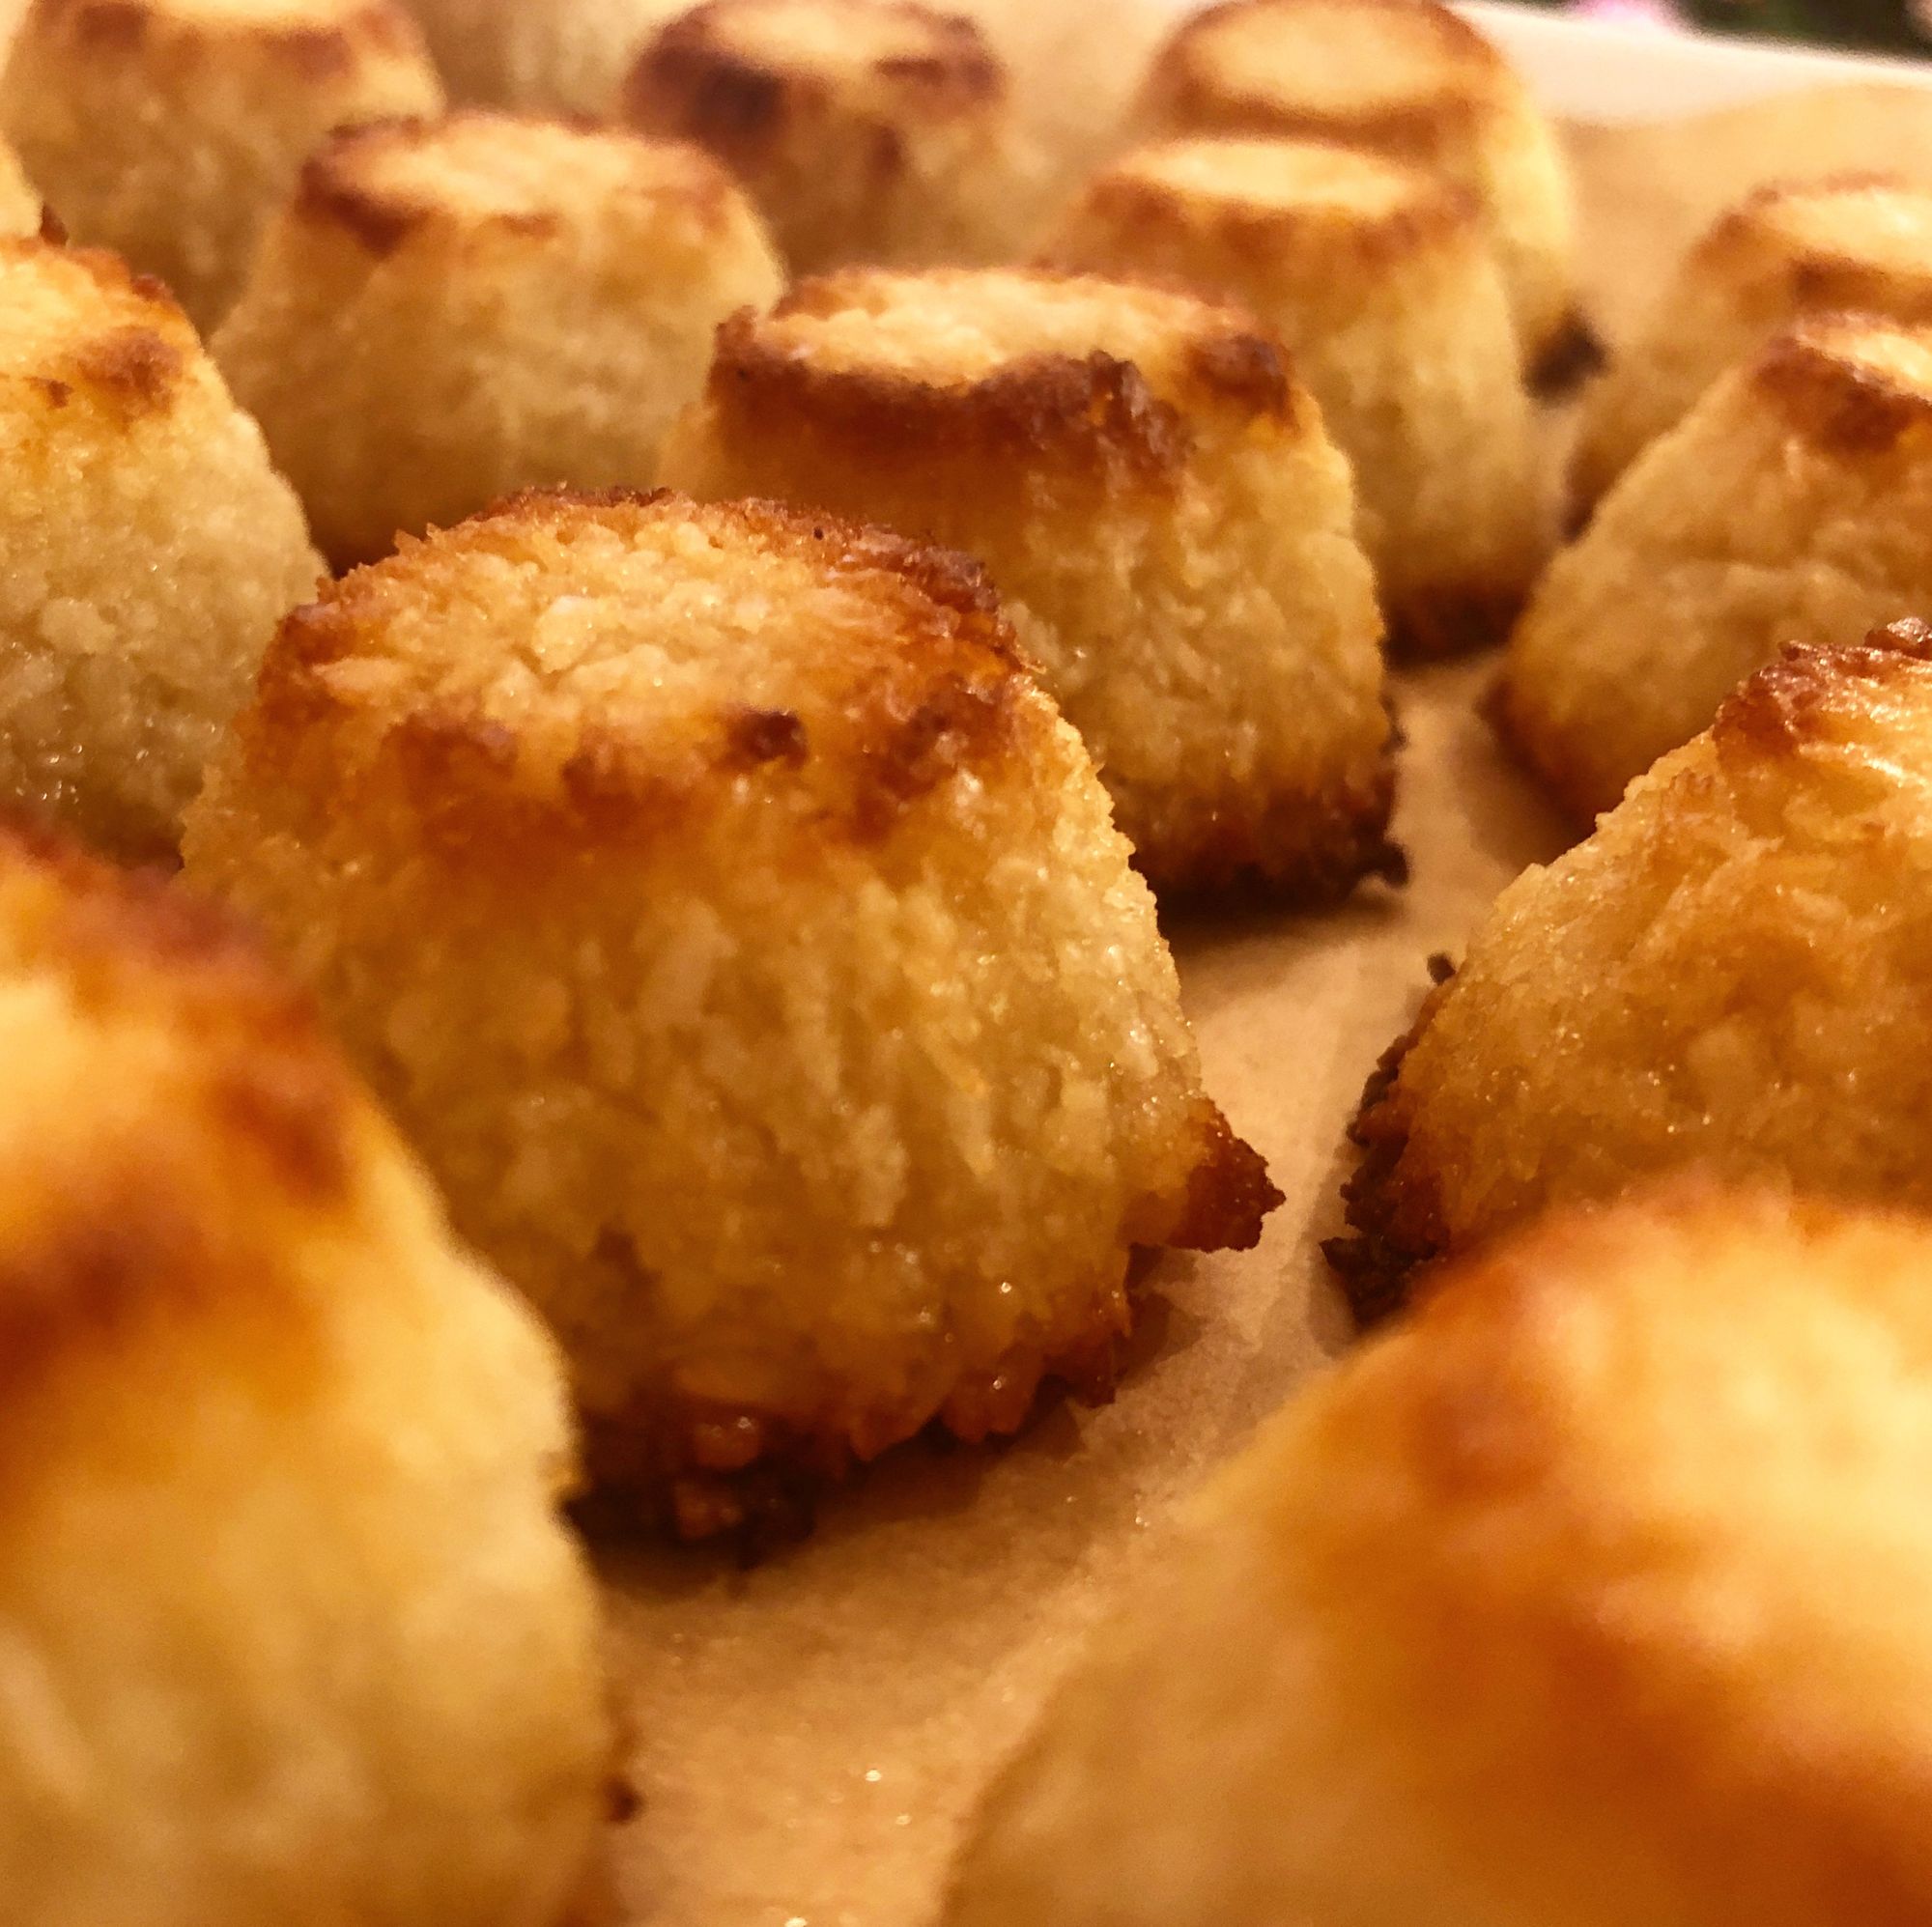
column 294, row 1630
column 1598, row 1593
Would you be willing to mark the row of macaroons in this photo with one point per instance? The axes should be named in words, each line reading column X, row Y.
column 742, row 940
column 1594, row 1591
column 448, row 310
column 434, row 314
column 879, row 130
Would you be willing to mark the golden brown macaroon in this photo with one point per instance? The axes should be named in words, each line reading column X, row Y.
column 171, row 131
column 741, row 936
column 1861, row 244
column 1381, row 281
column 1165, row 517
column 147, row 549
column 1410, row 79
column 865, row 130
column 294, row 1631
column 1790, row 505
column 544, row 56
column 1597, row 1594
column 453, row 310
column 1733, row 971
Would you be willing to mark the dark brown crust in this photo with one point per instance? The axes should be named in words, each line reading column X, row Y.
column 705, row 1470
column 1841, row 406
column 1567, row 359
column 1095, row 414
column 134, row 366
column 1788, row 704
column 1393, row 1214
column 1294, row 852
column 1228, row 1196
column 1184, row 88
column 1453, row 619
column 323, row 51
column 131, row 353
column 262, row 1109
column 340, row 186
column 961, row 700
column 690, row 81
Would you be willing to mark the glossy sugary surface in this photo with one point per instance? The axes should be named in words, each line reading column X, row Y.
column 1730, row 973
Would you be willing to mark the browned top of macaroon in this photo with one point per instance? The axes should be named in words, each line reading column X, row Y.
column 78, row 326
column 170, row 1099
column 509, row 174
column 1853, row 385
column 1847, row 241
column 1814, row 695
column 1001, row 365
column 1295, row 198
column 730, row 72
column 591, row 672
column 316, row 39
column 1359, row 68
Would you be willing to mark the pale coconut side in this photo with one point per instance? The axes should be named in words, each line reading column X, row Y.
column 451, row 310
column 147, row 549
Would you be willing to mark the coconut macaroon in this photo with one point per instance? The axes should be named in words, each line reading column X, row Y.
column 1166, row 520
column 452, row 310
column 1381, row 281
column 561, row 57
column 170, row 131
column 1731, row 973
column 294, row 1630
column 1597, row 1594
column 1790, row 505
column 742, row 937
column 865, row 130
column 1410, row 79
column 1861, row 244
column 147, row 549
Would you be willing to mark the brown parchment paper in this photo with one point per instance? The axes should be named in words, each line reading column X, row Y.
column 810, row 1735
